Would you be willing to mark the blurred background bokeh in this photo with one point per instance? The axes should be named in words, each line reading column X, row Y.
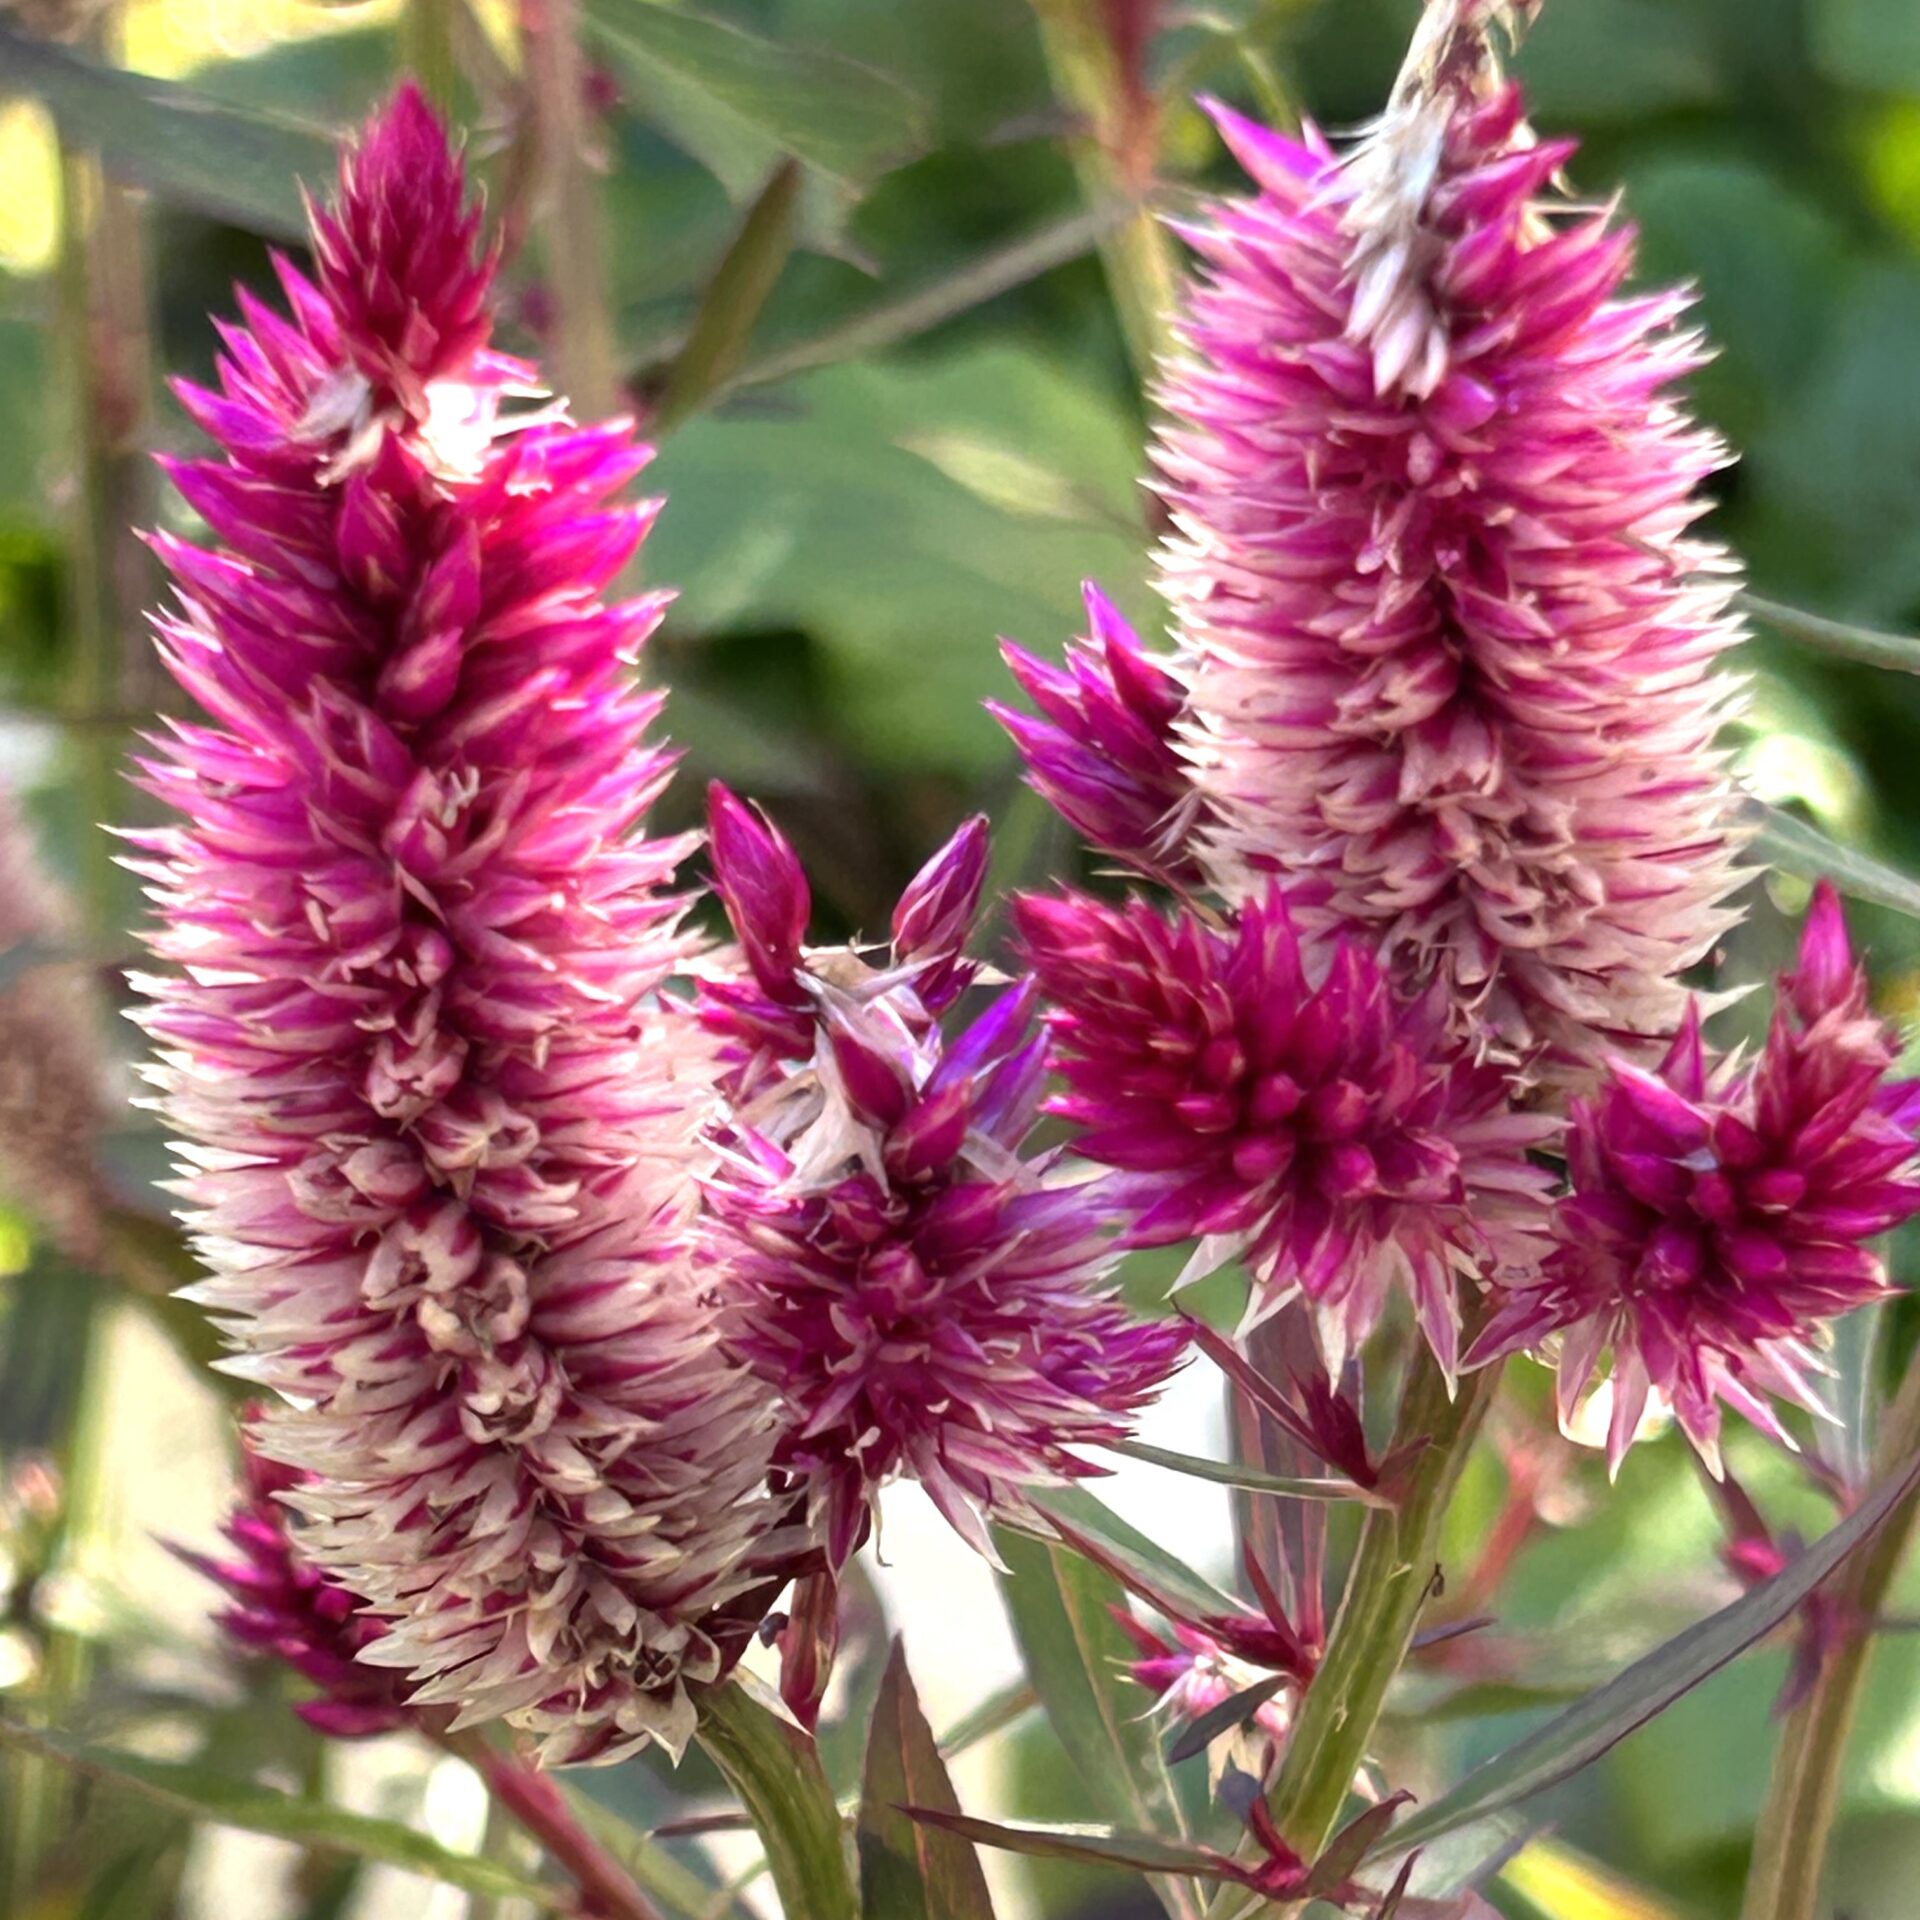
column 932, row 435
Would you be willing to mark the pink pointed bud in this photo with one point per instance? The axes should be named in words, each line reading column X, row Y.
column 936, row 914
column 761, row 884
column 1104, row 753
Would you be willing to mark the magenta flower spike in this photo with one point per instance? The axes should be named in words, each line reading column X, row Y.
column 924, row 1296
column 439, row 1119
column 1318, row 1125
column 1721, row 1213
column 1103, row 751
column 1446, row 623
column 279, row 1605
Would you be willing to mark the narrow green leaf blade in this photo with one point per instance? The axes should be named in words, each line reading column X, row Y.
column 1061, row 1607
column 1606, row 1716
column 993, row 1715
column 1898, row 652
column 1795, row 847
column 1152, row 1570
column 1093, row 1846
column 751, row 96
column 241, row 167
column 203, row 1794
column 911, row 1869
column 1252, row 1479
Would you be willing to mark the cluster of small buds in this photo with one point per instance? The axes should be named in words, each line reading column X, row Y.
column 1328, row 1132
column 1722, row 1210
column 922, row 1296
column 282, row 1606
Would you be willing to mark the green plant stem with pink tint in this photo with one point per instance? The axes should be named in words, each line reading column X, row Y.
column 1791, row 1842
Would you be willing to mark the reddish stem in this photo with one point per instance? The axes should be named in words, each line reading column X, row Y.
column 607, row 1890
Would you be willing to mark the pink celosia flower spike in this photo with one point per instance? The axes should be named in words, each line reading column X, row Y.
column 438, row 1118
column 922, row 1298
column 1721, row 1213
column 1447, row 630
column 1319, row 1126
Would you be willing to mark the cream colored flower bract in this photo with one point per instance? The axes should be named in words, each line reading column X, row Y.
column 438, row 1116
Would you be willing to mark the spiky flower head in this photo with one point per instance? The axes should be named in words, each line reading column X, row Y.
column 1722, row 1212
column 1103, row 752
column 1447, row 626
column 1312, row 1121
column 439, row 1117
column 924, row 1297
column 281, row 1606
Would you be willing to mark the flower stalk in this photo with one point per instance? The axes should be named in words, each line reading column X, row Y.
column 1803, row 1795
column 775, row 1770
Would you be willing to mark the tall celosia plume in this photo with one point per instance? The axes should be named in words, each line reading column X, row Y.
column 1721, row 1211
column 438, row 1117
column 1447, row 626
column 1325, row 1129
column 923, row 1297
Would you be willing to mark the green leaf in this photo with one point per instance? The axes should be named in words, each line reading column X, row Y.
column 1790, row 844
column 1238, row 1708
column 240, row 167
column 1873, row 44
column 206, row 1795
column 1090, row 1525
column 1091, row 1846
column 1252, row 1479
column 910, row 1869
column 1578, row 1737
column 1062, row 1611
column 993, row 1715
column 673, row 1884
column 1898, row 652
column 738, row 102
column 815, row 517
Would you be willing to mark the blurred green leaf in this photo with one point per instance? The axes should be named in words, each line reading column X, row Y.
column 1093, row 1846
column 1617, row 59
column 818, row 518
column 911, row 1870
column 232, row 165
column 738, row 102
column 1252, row 1479
column 1578, row 1737
column 1093, row 1527
column 1789, row 843
column 994, row 1714
column 1076, row 1655
column 314, row 1824
column 1873, row 44
column 696, row 1895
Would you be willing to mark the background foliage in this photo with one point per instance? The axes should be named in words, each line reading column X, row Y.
column 932, row 434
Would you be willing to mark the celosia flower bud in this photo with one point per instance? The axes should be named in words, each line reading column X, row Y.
column 283, row 1607
column 1447, row 630
column 921, row 1298
column 1320, row 1126
column 760, row 882
column 1721, row 1213
column 440, row 1119
column 1103, row 754
column 1192, row 1674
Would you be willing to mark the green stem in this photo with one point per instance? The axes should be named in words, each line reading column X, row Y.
column 571, row 241
column 1803, row 1795
column 1116, row 156
column 1391, row 1579
column 775, row 1770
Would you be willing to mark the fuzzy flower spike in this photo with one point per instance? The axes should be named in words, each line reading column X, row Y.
column 924, row 1298
column 1721, row 1212
column 438, row 1119
column 1448, row 631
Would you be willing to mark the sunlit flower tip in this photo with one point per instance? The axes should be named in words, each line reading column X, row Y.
column 921, row 1299
column 1722, row 1212
column 1316, row 1124
column 1102, row 751
column 399, row 258
column 1447, row 630
column 440, row 1115
column 278, row 1605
